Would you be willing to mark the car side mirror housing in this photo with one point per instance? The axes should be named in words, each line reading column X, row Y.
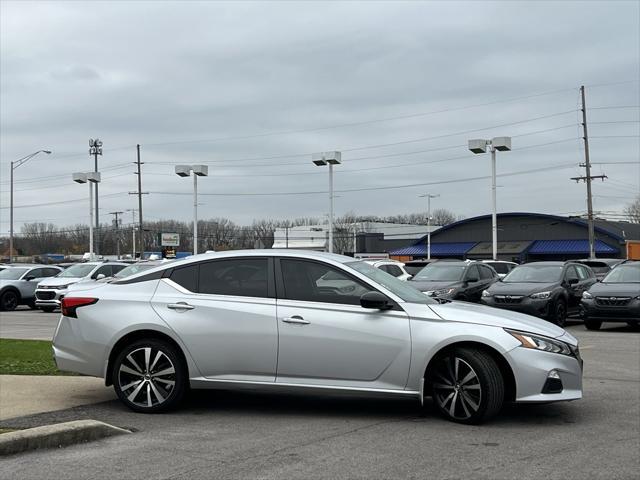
column 572, row 281
column 375, row 300
column 101, row 276
column 29, row 278
column 472, row 280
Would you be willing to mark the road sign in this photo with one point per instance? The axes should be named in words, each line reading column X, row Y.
column 170, row 239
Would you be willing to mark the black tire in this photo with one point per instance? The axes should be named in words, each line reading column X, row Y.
column 32, row 304
column 592, row 324
column 466, row 386
column 47, row 309
column 137, row 382
column 9, row 300
column 559, row 312
column 634, row 325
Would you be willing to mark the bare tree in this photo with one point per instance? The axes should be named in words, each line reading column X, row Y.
column 343, row 231
column 632, row 211
column 264, row 231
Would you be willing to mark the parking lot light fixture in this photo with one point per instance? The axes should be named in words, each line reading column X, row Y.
column 15, row 164
column 479, row 145
column 429, row 196
column 198, row 171
column 328, row 158
column 91, row 178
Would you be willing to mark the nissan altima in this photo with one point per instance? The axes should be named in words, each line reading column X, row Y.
column 266, row 319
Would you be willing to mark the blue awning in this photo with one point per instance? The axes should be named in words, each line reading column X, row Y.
column 437, row 249
column 561, row 247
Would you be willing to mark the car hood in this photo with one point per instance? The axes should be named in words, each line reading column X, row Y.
column 55, row 281
column 501, row 288
column 615, row 289
column 426, row 285
column 495, row 317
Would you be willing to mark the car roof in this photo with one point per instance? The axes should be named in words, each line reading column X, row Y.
column 547, row 263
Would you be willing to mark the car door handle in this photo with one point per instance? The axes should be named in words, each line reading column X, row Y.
column 180, row 306
column 297, row 319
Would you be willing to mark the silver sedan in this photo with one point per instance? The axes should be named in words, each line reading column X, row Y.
column 266, row 319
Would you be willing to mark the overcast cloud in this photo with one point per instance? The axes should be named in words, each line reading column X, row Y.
column 221, row 83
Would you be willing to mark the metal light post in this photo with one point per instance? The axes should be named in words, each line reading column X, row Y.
column 95, row 149
column 331, row 159
column 502, row 144
column 198, row 171
column 133, row 231
column 90, row 178
column 429, row 197
column 15, row 165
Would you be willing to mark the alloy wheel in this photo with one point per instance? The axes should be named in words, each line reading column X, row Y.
column 9, row 301
column 456, row 388
column 561, row 314
column 147, row 377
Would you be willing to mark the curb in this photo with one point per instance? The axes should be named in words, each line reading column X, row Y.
column 57, row 435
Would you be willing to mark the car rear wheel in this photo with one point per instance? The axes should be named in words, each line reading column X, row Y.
column 149, row 376
column 560, row 312
column 467, row 386
column 9, row 301
column 592, row 324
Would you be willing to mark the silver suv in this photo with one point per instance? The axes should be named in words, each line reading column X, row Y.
column 18, row 284
column 50, row 291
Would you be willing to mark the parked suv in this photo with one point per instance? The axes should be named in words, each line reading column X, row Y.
column 601, row 266
column 18, row 284
column 456, row 280
column 392, row 267
column 616, row 298
column 52, row 290
column 548, row 290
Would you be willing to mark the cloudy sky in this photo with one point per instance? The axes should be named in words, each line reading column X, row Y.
column 253, row 88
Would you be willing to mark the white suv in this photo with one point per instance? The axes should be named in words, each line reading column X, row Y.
column 49, row 292
column 392, row 267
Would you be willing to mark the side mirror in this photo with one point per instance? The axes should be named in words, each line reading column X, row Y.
column 374, row 300
column 472, row 280
column 29, row 278
column 572, row 281
column 101, row 276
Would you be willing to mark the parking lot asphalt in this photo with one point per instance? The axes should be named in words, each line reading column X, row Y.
column 254, row 435
column 28, row 324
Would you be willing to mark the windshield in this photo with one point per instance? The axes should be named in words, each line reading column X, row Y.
column 597, row 267
column 80, row 270
column 133, row 269
column 441, row 273
column 534, row 274
column 12, row 273
column 621, row 274
column 391, row 283
column 413, row 269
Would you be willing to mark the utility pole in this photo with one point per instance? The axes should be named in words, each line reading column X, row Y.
column 95, row 149
column 588, row 177
column 139, row 193
column 429, row 197
column 133, row 231
column 117, row 232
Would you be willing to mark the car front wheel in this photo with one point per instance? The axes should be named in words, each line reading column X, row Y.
column 9, row 301
column 149, row 376
column 467, row 386
column 560, row 313
column 592, row 324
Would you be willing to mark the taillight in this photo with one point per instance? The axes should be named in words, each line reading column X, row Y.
column 69, row 305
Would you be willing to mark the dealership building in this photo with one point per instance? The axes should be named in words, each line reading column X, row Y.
column 523, row 237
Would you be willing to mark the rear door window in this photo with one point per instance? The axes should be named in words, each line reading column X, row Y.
column 186, row 277
column 242, row 277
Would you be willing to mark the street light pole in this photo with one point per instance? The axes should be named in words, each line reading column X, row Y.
column 429, row 197
column 198, row 171
column 90, row 178
column 14, row 165
column 480, row 145
column 331, row 159
column 95, row 149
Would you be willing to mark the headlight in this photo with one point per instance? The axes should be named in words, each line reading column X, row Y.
column 487, row 293
column 442, row 291
column 540, row 295
column 586, row 295
column 528, row 340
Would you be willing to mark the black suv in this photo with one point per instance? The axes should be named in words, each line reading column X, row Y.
column 548, row 290
column 455, row 280
column 616, row 298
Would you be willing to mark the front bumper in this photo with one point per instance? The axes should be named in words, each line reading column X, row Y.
column 49, row 297
column 531, row 369
column 593, row 308
column 523, row 304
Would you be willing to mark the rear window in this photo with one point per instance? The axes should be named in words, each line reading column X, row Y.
column 186, row 277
